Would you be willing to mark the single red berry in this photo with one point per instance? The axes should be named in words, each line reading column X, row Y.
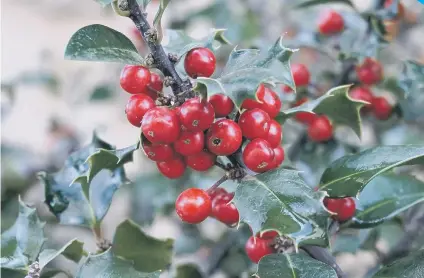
column 173, row 168
column 225, row 211
column 190, row 142
column 370, row 72
column 222, row 105
column 362, row 93
column 268, row 234
column 200, row 62
column 193, row 205
column 275, row 134
column 256, row 248
column 286, row 89
column 278, row 158
column 137, row 106
column 381, row 108
column 320, row 129
column 343, row 207
column 158, row 152
column 224, row 137
column 196, row 115
column 156, row 83
column 301, row 75
column 201, row 161
column 254, row 123
column 161, row 125
column 267, row 100
column 258, row 155
column 330, row 22
column 216, row 192
column 304, row 117
column 135, row 79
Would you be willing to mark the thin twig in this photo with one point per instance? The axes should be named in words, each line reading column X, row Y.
column 323, row 255
column 223, row 179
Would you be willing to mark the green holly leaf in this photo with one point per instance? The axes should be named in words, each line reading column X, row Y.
column 412, row 78
column 348, row 175
column 293, row 265
column 100, row 43
column 385, row 197
column 335, row 104
column 410, row 266
column 108, row 265
column 180, row 43
column 73, row 250
column 188, row 270
column 310, row 3
column 246, row 69
column 281, row 200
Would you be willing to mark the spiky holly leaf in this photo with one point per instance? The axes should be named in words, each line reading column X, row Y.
column 73, row 250
column 335, row 104
column 81, row 193
column 410, row 266
column 348, row 175
column 180, row 43
column 385, row 197
column 246, row 69
column 293, row 265
column 281, row 200
column 100, row 43
column 310, row 3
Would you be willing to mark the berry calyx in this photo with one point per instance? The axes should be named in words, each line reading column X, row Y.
column 196, row 115
column 362, row 93
column 173, row 168
column 381, row 108
column 256, row 248
column 137, row 106
column 156, row 83
column 200, row 62
column 275, row 134
column 201, row 161
column 222, row 104
column 190, row 142
column 343, row 207
column 158, row 152
column 224, row 137
column 330, row 22
column 135, row 79
column 258, row 155
column 193, row 205
column 301, row 75
column 225, row 211
column 320, row 129
column 370, row 72
column 161, row 125
column 254, row 123
column 304, row 117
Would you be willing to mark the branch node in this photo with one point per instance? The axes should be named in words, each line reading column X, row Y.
column 123, row 5
column 236, row 173
column 151, row 35
column 168, row 81
column 103, row 244
column 283, row 244
column 173, row 57
column 149, row 60
column 34, row 270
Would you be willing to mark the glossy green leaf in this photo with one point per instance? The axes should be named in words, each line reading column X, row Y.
column 9, row 273
column 385, row 197
column 246, row 69
column 73, row 250
column 348, row 175
column 336, row 104
column 102, row 92
column 310, row 3
column 188, row 271
column 293, row 265
column 408, row 267
column 100, row 43
column 412, row 78
column 146, row 253
column 282, row 201
column 107, row 265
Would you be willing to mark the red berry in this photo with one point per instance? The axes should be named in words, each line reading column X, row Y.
column 190, row 142
column 173, row 168
column 254, row 123
column 286, row 89
column 161, row 125
column 224, row 137
column 156, row 83
column 278, row 158
column 256, row 248
column 201, row 161
column 225, row 211
column 330, row 22
column 137, row 107
column 258, row 155
column 269, row 99
column 196, row 115
column 275, row 134
column 158, row 152
column 362, row 93
column 269, row 235
column 134, row 79
column 193, row 205
column 304, row 117
column 301, row 75
column 222, row 105
column 320, row 129
column 370, row 72
column 200, row 62
column 343, row 207
column 381, row 108
column 216, row 192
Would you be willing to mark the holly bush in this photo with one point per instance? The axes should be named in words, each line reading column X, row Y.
column 282, row 138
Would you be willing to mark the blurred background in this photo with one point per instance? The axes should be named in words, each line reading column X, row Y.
column 50, row 107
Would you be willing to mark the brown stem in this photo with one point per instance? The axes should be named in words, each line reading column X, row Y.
column 218, row 183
